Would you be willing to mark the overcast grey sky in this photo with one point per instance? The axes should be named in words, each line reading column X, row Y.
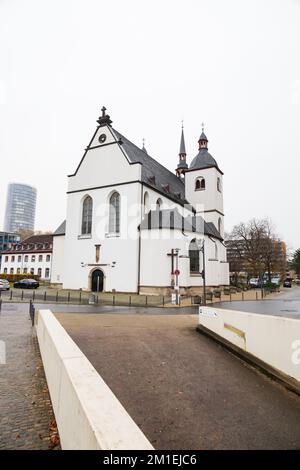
column 233, row 64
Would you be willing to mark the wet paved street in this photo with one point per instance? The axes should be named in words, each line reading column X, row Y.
column 25, row 407
column 182, row 389
column 287, row 304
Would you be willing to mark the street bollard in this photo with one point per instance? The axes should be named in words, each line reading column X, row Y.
column 22, row 295
column 114, row 301
column 11, row 295
column 80, row 297
column 45, row 296
column 68, row 296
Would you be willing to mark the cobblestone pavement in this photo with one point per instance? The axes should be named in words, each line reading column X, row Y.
column 25, row 407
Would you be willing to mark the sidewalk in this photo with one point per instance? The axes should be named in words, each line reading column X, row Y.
column 25, row 407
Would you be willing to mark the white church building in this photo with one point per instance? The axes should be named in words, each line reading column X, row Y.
column 134, row 226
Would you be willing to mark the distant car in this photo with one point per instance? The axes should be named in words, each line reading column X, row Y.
column 287, row 282
column 27, row 284
column 4, row 284
column 254, row 282
column 276, row 281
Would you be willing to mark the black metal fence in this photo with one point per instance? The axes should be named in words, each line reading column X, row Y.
column 85, row 298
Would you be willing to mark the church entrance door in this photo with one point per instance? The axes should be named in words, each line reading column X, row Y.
column 97, row 280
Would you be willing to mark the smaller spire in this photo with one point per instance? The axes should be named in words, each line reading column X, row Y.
column 182, row 143
column 182, row 165
column 144, row 148
column 202, row 139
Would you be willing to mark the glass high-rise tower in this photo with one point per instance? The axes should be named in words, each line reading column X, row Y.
column 20, row 207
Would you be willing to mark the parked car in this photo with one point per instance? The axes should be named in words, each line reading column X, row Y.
column 27, row 284
column 254, row 282
column 4, row 284
column 287, row 282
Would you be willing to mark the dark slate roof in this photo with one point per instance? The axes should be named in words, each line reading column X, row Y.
column 182, row 144
column 173, row 220
column 33, row 244
column 203, row 160
column 203, row 137
column 153, row 173
column 61, row 230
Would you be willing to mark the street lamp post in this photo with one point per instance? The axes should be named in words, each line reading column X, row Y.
column 177, row 276
column 201, row 247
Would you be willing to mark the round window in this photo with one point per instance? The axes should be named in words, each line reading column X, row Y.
column 102, row 138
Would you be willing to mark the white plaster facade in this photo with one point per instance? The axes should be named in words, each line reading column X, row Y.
column 134, row 259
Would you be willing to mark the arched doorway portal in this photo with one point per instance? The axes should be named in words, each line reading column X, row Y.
column 97, row 280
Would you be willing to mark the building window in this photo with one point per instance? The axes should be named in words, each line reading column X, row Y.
column 25, row 270
column 26, row 259
column 48, row 258
column 12, row 259
column 87, row 215
column 216, row 251
column 11, row 270
column 33, row 258
column 194, row 257
column 32, row 271
column 219, row 224
column 219, row 184
column 19, row 271
column 159, row 204
column 146, row 203
column 200, row 184
column 39, row 272
column 40, row 258
column 19, row 259
column 114, row 213
column 5, row 271
column 47, row 273
column 6, row 259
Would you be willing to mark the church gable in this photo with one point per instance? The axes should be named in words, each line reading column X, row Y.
column 104, row 162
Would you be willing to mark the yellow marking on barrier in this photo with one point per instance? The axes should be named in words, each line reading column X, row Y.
column 235, row 330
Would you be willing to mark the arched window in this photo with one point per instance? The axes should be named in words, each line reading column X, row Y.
column 87, row 216
column 146, row 203
column 219, row 184
column 219, row 224
column 200, row 184
column 216, row 251
column 158, row 204
column 114, row 213
column 194, row 257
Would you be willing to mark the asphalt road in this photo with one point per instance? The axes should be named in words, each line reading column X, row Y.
column 183, row 389
column 287, row 304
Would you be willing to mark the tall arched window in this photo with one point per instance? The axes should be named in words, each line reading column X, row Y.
column 199, row 184
column 87, row 216
column 194, row 257
column 219, row 184
column 146, row 203
column 158, row 204
column 114, row 213
column 219, row 224
column 216, row 251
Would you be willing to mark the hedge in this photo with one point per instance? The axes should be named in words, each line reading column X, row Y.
column 18, row 277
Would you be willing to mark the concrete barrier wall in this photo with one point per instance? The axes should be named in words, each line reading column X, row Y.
column 88, row 414
column 273, row 340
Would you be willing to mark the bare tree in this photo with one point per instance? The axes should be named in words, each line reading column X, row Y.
column 258, row 247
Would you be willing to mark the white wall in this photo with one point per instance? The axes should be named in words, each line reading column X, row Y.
column 210, row 197
column 88, row 414
column 80, row 253
column 27, row 265
column 156, row 265
column 274, row 340
column 58, row 259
